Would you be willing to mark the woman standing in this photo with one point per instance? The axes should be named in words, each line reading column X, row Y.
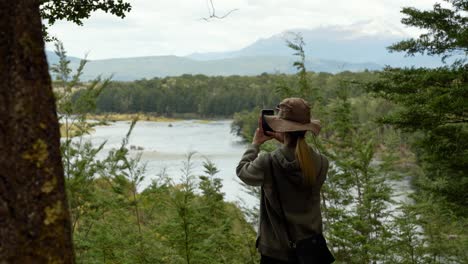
column 291, row 178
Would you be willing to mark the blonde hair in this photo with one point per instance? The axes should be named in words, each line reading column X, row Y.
column 304, row 157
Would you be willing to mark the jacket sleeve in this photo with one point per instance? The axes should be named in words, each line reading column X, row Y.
column 252, row 167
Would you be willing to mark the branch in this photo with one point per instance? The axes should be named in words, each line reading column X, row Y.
column 212, row 13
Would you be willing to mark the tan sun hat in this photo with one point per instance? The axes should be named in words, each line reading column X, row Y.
column 293, row 115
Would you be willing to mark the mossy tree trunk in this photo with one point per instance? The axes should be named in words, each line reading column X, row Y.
column 34, row 218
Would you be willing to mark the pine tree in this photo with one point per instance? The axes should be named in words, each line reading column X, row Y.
column 433, row 101
column 432, row 113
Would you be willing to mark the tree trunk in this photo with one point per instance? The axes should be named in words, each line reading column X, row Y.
column 34, row 217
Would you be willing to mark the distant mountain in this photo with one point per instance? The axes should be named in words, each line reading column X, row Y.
column 330, row 43
column 127, row 69
column 52, row 58
column 327, row 50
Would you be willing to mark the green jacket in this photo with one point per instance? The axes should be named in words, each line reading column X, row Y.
column 301, row 203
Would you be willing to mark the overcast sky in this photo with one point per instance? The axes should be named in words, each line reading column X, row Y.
column 175, row 27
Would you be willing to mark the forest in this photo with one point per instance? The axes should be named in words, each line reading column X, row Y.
column 211, row 97
column 380, row 129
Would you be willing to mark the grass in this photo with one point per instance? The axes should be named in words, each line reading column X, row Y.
column 75, row 130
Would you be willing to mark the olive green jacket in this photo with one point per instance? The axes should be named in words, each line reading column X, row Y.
column 301, row 203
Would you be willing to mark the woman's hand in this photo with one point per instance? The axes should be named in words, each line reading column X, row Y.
column 259, row 137
column 276, row 135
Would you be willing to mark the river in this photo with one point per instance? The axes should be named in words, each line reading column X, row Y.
column 165, row 146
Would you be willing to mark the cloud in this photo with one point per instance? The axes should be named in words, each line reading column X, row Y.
column 175, row 27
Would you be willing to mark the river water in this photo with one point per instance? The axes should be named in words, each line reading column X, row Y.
column 165, row 146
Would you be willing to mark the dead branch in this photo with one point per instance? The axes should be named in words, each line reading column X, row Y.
column 212, row 13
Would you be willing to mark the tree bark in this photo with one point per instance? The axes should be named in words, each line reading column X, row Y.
column 34, row 217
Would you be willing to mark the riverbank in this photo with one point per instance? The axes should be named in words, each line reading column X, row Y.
column 80, row 128
column 75, row 130
column 113, row 117
column 106, row 119
column 174, row 117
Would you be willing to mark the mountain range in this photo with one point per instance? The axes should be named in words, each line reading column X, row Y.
column 327, row 50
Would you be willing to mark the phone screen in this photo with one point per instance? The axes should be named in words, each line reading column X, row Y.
column 265, row 126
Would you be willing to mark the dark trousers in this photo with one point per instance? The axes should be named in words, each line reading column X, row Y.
column 269, row 260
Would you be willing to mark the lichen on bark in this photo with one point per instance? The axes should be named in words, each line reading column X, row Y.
column 52, row 213
column 49, row 186
column 37, row 154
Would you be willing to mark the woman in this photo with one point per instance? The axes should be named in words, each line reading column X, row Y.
column 299, row 173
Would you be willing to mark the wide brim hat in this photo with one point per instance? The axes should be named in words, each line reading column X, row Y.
column 293, row 115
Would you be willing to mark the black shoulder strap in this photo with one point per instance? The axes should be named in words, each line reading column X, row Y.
column 291, row 243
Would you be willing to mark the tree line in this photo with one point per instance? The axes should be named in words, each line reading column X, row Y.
column 207, row 96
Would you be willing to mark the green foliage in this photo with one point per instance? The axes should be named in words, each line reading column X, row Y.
column 115, row 221
column 164, row 223
column 430, row 98
column 62, row 69
column 207, row 97
column 433, row 107
column 79, row 158
column 446, row 30
column 210, row 185
column 340, row 113
column 245, row 123
column 167, row 222
column 431, row 111
column 76, row 11
column 428, row 232
column 297, row 44
column 357, row 196
column 362, row 219
column 72, row 109
column 197, row 95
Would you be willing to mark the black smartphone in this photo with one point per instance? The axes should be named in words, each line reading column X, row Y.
column 265, row 125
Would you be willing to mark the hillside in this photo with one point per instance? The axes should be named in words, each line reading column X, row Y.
column 128, row 69
column 327, row 49
column 329, row 43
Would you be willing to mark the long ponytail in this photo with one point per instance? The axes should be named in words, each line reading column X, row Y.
column 304, row 158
